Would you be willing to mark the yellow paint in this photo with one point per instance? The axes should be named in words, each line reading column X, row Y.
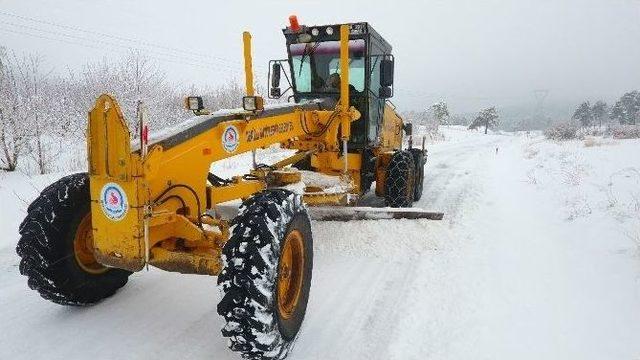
column 382, row 161
column 111, row 161
column 239, row 190
column 391, row 134
column 248, row 63
column 196, row 261
column 319, row 199
column 332, row 162
column 344, row 81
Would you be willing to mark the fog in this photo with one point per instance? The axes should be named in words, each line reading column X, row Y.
column 468, row 53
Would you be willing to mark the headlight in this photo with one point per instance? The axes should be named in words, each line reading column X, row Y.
column 193, row 103
column 329, row 31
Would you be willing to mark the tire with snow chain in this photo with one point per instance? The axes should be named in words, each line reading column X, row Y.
column 55, row 247
column 399, row 181
column 266, row 275
column 419, row 161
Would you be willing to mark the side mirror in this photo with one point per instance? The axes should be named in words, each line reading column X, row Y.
column 275, row 80
column 276, row 71
column 386, row 72
column 385, row 92
column 275, row 93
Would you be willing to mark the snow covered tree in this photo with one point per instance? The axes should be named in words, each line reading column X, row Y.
column 441, row 112
column 12, row 131
column 43, row 112
column 63, row 93
column 599, row 112
column 47, row 112
column 140, row 81
column 14, row 113
column 487, row 118
column 133, row 79
column 583, row 114
column 627, row 109
column 27, row 106
column 226, row 96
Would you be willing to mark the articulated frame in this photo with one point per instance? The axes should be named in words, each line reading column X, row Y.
column 165, row 214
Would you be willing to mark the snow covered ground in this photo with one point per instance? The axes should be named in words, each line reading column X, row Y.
column 538, row 258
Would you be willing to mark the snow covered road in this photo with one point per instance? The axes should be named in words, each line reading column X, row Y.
column 505, row 275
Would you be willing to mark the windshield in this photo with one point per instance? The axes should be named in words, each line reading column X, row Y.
column 316, row 66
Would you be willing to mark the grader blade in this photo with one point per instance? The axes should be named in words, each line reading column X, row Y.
column 334, row 213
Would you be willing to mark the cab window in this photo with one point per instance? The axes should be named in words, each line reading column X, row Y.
column 316, row 64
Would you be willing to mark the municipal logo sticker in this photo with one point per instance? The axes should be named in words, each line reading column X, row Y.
column 114, row 201
column 230, row 138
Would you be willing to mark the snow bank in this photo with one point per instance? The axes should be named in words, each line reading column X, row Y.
column 594, row 177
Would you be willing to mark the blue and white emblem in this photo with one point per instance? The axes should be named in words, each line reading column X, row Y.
column 114, row 201
column 230, row 138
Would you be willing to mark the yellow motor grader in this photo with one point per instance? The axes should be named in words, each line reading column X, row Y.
column 154, row 201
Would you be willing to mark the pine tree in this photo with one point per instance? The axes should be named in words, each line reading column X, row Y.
column 627, row 109
column 599, row 111
column 487, row 118
column 583, row 114
column 441, row 112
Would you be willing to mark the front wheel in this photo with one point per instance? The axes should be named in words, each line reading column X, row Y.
column 266, row 276
column 56, row 247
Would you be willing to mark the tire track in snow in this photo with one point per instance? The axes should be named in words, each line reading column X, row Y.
column 459, row 182
column 381, row 326
column 373, row 307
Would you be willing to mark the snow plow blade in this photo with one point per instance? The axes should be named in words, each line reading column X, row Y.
column 334, row 213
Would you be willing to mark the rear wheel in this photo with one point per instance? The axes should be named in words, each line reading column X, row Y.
column 266, row 276
column 418, row 160
column 56, row 247
column 399, row 181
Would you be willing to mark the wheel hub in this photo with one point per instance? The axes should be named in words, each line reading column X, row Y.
column 290, row 274
column 83, row 248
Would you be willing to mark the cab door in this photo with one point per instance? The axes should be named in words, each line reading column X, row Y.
column 376, row 104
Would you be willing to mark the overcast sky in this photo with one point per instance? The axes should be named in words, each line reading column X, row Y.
column 470, row 53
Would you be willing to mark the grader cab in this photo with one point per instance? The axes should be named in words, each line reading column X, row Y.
column 154, row 201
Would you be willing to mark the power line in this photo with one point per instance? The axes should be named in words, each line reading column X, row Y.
column 116, row 37
column 212, row 67
column 92, row 41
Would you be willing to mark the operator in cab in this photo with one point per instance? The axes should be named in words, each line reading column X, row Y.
column 332, row 84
